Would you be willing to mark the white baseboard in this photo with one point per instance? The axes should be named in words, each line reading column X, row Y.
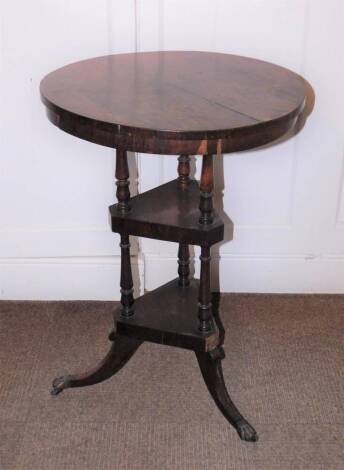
column 260, row 274
column 91, row 278
column 98, row 278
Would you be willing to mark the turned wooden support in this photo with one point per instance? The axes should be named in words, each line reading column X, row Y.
column 183, row 265
column 123, row 196
column 122, row 175
column 204, row 298
column 206, row 190
column 127, row 298
column 183, row 251
column 184, row 170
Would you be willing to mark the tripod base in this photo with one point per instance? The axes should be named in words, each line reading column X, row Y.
column 185, row 334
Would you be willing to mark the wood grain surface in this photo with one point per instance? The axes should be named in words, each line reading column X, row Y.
column 174, row 102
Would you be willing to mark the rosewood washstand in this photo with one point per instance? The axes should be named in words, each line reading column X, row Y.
column 172, row 103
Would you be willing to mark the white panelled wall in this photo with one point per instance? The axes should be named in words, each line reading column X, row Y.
column 286, row 201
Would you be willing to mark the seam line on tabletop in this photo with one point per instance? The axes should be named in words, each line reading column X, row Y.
column 212, row 102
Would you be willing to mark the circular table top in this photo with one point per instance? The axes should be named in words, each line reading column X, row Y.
column 175, row 101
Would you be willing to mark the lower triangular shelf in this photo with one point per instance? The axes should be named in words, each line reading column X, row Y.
column 168, row 315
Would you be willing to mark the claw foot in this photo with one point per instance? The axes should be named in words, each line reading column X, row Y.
column 246, row 431
column 59, row 384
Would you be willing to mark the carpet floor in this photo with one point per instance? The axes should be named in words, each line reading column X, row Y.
column 284, row 369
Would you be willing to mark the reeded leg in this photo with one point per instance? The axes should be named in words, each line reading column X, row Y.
column 120, row 352
column 211, row 368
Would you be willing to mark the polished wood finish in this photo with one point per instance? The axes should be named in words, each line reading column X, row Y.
column 183, row 250
column 204, row 298
column 211, row 368
column 120, row 352
column 168, row 213
column 127, row 288
column 123, row 207
column 184, row 264
column 183, row 103
column 206, row 188
column 184, row 170
column 174, row 102
column 168, row 315
column 122, row 176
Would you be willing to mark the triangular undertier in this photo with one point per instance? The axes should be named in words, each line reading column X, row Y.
column 168, row 315
column 169, row 213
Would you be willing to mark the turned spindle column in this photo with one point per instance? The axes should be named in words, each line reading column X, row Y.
column 206, row 208
column 123, row 196
column 206, row 190
column 127, row 289
column 183, row 265
column 184, row 170
column 122, row 176
column 204, row 298
column 183, row 250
